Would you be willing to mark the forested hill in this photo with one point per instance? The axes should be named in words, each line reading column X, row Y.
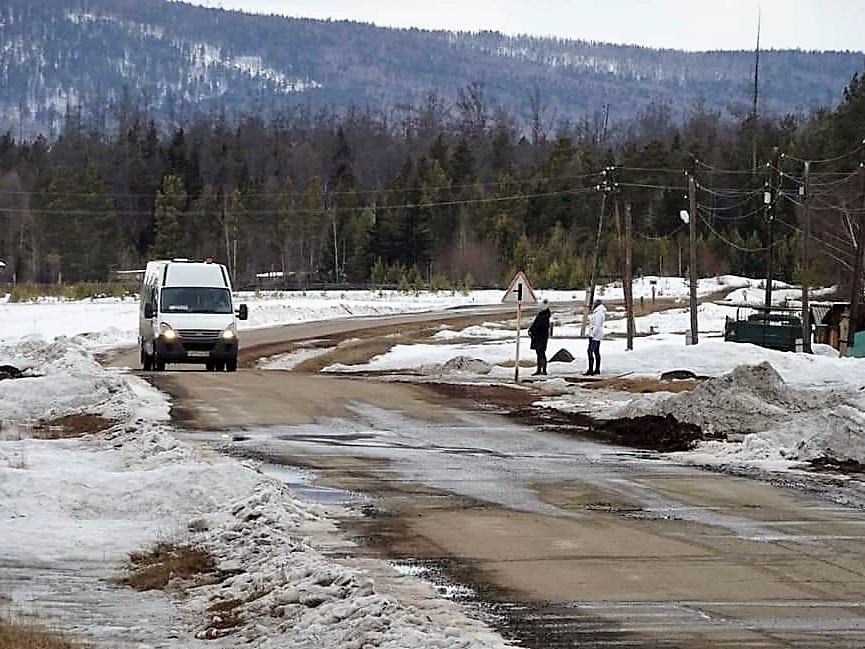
column 175, row 60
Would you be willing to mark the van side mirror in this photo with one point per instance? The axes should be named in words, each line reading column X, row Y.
column 242, row 312
column 148, row 311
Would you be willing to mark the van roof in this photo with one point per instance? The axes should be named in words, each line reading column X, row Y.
column 186, row 273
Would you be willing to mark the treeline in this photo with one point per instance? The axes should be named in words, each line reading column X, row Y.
column 454, row 193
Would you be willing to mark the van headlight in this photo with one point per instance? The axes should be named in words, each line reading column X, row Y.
column 230, row 332
column 167, row 332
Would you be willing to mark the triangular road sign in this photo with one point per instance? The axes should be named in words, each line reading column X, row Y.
column 520, row 291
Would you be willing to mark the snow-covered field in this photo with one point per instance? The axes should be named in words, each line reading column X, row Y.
column 106, row 323
column 80, row 506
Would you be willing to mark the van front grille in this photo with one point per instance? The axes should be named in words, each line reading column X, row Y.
column 199, row 335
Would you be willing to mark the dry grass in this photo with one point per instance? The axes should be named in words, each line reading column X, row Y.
column 524, row 362
column 224, row 615
column 638, row 386
column 70, row 426
column 350, row 353
column 25, row 635
column 157, row 567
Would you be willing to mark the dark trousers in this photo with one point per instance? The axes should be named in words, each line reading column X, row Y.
column 542, row 361
column 594, row 356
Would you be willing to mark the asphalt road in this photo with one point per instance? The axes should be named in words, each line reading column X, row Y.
column 568, row 543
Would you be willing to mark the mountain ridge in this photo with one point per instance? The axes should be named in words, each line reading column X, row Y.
column 175, row 59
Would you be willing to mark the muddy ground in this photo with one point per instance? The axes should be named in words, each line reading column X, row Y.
column 467, row 542
column 664, row 434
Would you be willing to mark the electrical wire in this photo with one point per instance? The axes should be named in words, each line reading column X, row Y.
column 836, row 158
column 492, row 199
column 839, row 208
column 670, row 188
column 835, row 183
column 723, row 171
column 730, row 193
column 733, row 244
column 740, row 217
column 827, row 246
column 747, row 197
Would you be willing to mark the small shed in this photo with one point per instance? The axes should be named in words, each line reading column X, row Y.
column 833, row 324
column 819, row 327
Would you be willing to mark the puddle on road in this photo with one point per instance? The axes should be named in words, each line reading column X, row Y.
column 302, row 484
column 300, row 481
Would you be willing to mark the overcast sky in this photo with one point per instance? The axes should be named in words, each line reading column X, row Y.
column 680, row 24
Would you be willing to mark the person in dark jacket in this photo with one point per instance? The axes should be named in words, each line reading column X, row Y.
column 539, row 334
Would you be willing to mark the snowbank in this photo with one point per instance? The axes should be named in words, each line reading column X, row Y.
column 81, row 506
column 749, row 399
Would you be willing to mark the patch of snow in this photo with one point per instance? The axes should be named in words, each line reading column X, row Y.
column 79, row 507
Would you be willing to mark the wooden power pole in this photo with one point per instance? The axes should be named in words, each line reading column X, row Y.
column 806, row 260
column 607, row 185
column 856, row 289
column 769, row 200
column 628, row 276
column 692, row 227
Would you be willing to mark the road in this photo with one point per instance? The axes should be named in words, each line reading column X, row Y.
column 567, row 543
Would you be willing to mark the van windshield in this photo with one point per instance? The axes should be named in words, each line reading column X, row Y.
column 191, row 299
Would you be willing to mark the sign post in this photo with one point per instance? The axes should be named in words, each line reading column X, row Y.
column 519, row 291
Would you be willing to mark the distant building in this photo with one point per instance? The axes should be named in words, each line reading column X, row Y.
column 832, row 327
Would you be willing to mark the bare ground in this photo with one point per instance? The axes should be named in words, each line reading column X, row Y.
column 21, row 634
column 521, row 563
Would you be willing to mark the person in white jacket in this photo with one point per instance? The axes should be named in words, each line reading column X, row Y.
column 596, row 335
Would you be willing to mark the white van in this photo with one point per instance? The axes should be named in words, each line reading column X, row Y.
column 186, row 315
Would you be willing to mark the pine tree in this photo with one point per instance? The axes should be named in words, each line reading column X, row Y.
column 168, row 230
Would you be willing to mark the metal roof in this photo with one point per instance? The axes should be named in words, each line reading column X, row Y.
column 820, row 311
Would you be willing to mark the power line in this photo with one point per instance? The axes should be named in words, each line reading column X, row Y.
column 302, row 191
column 709, row 213
column 731, row 194
column 836, row 158
column 733, row 244
column 826, row 245
column 419, row 204
column 717, row 170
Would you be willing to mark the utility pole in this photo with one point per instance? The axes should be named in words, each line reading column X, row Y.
column 754, row 107
column 857, row 268
column 806, row 259
column 627, row 278
column 769, row 200
column 605, row 187
column 692, row 223
column 335, row 244
column 331, row 212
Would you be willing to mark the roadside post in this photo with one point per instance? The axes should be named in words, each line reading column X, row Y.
column 519, row 291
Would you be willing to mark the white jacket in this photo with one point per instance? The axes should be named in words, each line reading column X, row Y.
column 596, row 322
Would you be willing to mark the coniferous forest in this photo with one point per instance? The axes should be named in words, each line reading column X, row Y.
column 457, row 194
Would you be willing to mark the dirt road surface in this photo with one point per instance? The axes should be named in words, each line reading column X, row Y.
column 566, row 542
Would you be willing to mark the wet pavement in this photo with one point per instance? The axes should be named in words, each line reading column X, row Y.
column 561, row 541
